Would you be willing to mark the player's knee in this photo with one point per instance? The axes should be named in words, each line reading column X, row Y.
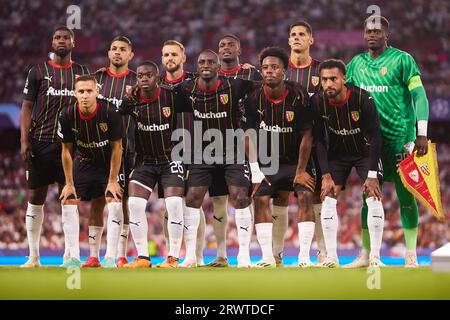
column 71, row 202
column 36, row 196
column 193, row 200
column 240, row 200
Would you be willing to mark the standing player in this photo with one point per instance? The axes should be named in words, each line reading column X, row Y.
column 112, row 82
column 173, row 59
column 305, row 70
column 284, row 114
column 393, row 79
column 229, row 52
column 48, row 88
column 214, row 101
column 155, row 119
column 347, row 116
column 96, row 131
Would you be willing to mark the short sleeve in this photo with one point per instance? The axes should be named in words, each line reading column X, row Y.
column 64, row 132
column 31, row 89
column 115, row 123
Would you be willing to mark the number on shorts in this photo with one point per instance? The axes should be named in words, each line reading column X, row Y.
column 176, row 167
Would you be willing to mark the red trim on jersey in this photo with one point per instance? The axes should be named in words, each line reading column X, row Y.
column 208, row 91
column 152, row 99
column 88, row 117
column 292, row 65
column 117, row 75
column 176, row 80
column 340, row 104
column 232, row 71
column 54, row 65
column 285, row 94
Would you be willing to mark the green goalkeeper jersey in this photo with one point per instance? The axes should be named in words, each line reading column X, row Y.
column 387, row 78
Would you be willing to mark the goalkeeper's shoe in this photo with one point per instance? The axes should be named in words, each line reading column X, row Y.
column 219, row 262
column 321, row 256
column 71, row 262
column 108, row 263
column 121, row 261
column 188, row 263
column 375, row 262
column 330, row 262
column 305, row 263
column 362, row 261
column 171, row 262
column 139, row 263
column 268, row 263
column 411, row 259
column 92, row 262
column 32, row 262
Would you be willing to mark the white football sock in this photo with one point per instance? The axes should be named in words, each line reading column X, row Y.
column 95, row 239
column 330, row 223
column 191, row 222
column 200, row 245
column 244, row 230
column 305, row 237
column 123, row 241
column 138, row 224
column 174, row 207
column 114, row 228
column 71, row 228
column 318, row 228
column 375, row 223
column 166, row 230
column 220, row 222
column 33, row 221
column 264, row 236
column 280, row 226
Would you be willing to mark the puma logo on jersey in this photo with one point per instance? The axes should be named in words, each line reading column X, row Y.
column 193, row 99
column 100, row 86
column 48, row 78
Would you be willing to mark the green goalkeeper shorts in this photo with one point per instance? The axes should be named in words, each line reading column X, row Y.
column 392, row 153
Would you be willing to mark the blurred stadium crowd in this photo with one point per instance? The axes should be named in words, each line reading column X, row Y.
column 421, row 27
column 432, row 234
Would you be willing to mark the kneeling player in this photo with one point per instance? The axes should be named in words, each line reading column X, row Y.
column 348, row 116
column 97, row 132
column 155, row 120
column 280, row 110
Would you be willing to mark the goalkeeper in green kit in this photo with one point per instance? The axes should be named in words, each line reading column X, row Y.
column 393, row 79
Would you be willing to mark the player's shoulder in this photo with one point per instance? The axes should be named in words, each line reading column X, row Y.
column 363, row 56
column 359, row 92
column 315, row 63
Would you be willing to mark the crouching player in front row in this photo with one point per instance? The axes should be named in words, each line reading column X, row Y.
column 347, row 116
column 92, row 175
column 155, row 119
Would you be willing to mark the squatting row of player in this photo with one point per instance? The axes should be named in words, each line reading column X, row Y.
column 108, row 138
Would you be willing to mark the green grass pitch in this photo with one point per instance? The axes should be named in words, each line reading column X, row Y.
column 230, row 283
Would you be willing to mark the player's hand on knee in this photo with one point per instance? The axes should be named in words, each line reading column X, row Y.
column 257, row 177
column 303, row 178
column 372, row 188
column 328, row 187
column 421, row 145
column 114, row 191
column 25, row 151
column 68, row 193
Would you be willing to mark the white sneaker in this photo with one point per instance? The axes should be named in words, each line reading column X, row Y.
column 362, row 261
column 411, row 259
column 188, row 263
column 321, row 256
column 33, row 262
column 330, row 262
column 305, row 263
column 268, row 262
column 375, row 262
column 243, row 261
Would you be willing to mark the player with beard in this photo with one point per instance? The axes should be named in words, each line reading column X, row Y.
column 347, row 118
column 96, row 130
column 112, row 82
column 48, row 88
column 173, row 59
column 285, row 115
column 304, row 70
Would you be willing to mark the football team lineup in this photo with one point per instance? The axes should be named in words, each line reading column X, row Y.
column 247, row 136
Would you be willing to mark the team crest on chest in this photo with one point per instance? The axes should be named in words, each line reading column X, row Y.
column 166, row 111
column 289, row 116
column 103, row 126
column 383, row 71
column 224, row 98
column 355, row 115
column 315, row 81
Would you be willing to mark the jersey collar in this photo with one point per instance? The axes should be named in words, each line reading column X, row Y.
column 152, row 99
column 338, row 105
column 88, row 117
column 285, row 94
